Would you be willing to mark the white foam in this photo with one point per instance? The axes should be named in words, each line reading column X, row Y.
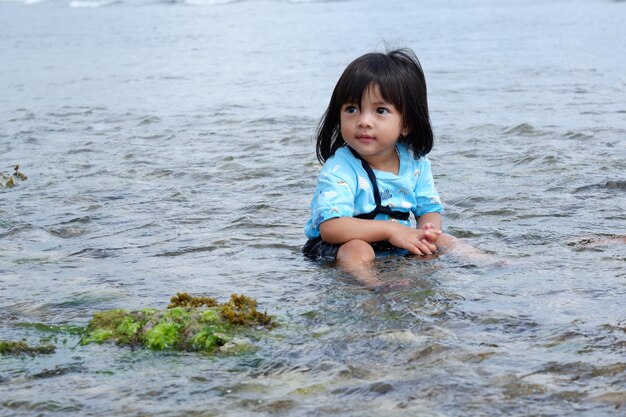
column 208, row 2
column 92, row 4
column 23, row 1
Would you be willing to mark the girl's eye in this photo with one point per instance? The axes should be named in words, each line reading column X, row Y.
column 382, row 110
column 350, row 109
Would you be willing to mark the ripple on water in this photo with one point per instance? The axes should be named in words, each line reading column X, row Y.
column 51, row 406
column 58, row 371
column 13, row 227
column 578, row 135
column 524, row 129
column 95, row 253
column 71, row 228
column 71, row 306
column 618, row 185
column 188, row 250
column 597, row 243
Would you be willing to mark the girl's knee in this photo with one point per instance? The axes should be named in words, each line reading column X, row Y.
column 356, row 251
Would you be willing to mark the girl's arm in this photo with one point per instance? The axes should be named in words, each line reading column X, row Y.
column 340, row 230
column 343, row 229
column 433, row 218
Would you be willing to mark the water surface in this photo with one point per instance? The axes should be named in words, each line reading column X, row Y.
column 169, row 148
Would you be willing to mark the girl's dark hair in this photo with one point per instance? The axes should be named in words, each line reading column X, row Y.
column 400, row 78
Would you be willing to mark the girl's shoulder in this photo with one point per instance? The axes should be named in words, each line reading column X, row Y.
column 342, row 168
column 407, row 156
column 341, row 161
column 344, row 153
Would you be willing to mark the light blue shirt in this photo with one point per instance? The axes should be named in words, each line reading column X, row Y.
column 344, row 189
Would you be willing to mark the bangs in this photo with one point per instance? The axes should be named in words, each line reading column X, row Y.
column 368, row 71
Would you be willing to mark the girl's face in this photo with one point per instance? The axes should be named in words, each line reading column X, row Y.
column 372, row 128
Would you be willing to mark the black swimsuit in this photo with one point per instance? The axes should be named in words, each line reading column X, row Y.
column 380, row 209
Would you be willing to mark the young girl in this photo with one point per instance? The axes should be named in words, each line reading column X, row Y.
column 373, row 140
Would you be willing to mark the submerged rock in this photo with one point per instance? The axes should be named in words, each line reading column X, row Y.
column 597, row 242
column 22, row 348
column 196, row 324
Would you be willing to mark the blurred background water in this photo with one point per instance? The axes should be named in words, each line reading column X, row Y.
column 168, row 147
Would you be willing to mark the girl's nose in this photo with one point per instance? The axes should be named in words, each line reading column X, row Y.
column 364, row 120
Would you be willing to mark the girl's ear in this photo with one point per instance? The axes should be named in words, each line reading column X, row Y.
column 405, row 131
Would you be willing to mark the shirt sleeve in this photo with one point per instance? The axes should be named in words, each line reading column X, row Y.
column 426, row 195
column 334, row 197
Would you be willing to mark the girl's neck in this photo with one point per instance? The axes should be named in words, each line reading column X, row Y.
column 386, row 163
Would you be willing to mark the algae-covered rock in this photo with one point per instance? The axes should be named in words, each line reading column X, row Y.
column 182, row 299
column 197, row 324
column 10, row 180
column 23, row 348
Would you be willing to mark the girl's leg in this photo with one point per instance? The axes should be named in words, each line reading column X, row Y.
column 355, row 257
column 449, row 244
column 445, row 243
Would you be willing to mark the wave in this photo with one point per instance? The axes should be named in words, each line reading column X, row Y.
column 619, row 185
column 524, row 129
column 92, row 4
column 26, row 2
column 208, row 2
column 105, row 3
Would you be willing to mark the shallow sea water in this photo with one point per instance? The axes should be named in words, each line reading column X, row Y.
column 168, row 147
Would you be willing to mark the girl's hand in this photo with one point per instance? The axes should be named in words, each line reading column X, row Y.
column 427, row 226
column 431, row 233
column 417, row 241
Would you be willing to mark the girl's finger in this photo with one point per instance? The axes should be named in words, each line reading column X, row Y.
column 431, row 235
column 429, row 245
column 414, row 249
column 424, row 248
column 435, row 232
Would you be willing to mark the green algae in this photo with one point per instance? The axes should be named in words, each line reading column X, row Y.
column 210, row 317
column 164, row 336
column 10, row 180
column 194, row 324
column 51, row 328
column 209, row 338
column 23, row 348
